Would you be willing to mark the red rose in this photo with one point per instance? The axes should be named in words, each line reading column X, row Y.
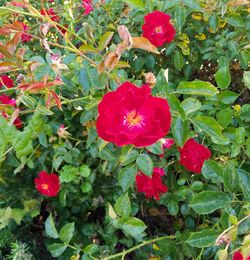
column 7, row 100
column 167, row 143
column 238, row 256
column 6, row 81
column 87, row 6
column 151, row 186
column 193, row 155
column 25, row 37
column 131, row 115
column 157, row 28
column 47, row 184
column 51, row 13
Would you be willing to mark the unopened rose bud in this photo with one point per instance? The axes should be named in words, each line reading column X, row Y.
column 167, row 142
column 150, row 79
column 19, row 78
column 224, row 239
column 62, row 132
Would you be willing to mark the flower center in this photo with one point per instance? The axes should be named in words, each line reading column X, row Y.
column 158, row 29
column 45, row 186
column 133, row 119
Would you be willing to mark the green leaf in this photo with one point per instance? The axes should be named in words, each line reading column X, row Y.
column 28, row 101
column 197, row 87
column 197, row 185
column 68, row 173
column 178, row 60
column 170, row 48
column 123, row 206
column 235, row 150
column 180, row 17
column 43, row 110
column 126, row 177
column 129, row 157
column 244, row 180
column 214, row 22
column 173, row 207
column 145, row 164
column 211, row 170
column 57, row 249
column 112, row 212
column 84, row 79
column 223, row 77
column 155, row 148
column 50, row 227
column 230, row 178
column 225, row 117
column 86, row 48
column 227, row 97
column 208, row 125
column 104, row 40
column 208, row 201
column 161, row 82
column 246, row 78
column 84, row 170
column 240, row 135
column 235, row 20
column 133, row 226
column 180, row 131
column 86, row 187
column 190, row 105
column 136, row 3
column 204, row 238
column 175, row 106
column 66, row 232
column 23, row 144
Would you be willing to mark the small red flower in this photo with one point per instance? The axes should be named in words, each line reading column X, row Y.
column 157, row 28
column 51, row 13
column 47, row 184
column 17, row 122
column 151, row 186
column 238, row 256
column 167, row 142
column 25, row 37
column 193, row 155
column 131, row 115
column 87, row 5
column 6, row 81
column 7, row 100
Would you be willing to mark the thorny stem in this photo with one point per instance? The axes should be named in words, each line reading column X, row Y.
column 231, row 227
column 124, row 253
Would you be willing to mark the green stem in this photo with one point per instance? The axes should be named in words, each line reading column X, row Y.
column 124, row 253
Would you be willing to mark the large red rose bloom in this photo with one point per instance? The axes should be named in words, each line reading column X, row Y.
column 151, row 186
column 193, row 155
column 47, row 184
column 7, row 81
column 157, row 28
column 131, row 115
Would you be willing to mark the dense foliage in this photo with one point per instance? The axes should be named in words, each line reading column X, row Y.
column 158, row 168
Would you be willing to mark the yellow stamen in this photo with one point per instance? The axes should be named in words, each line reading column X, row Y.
column 133, row 118
column 158, row 29
column 45, row 186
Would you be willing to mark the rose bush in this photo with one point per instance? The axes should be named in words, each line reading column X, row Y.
column 124, row 129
